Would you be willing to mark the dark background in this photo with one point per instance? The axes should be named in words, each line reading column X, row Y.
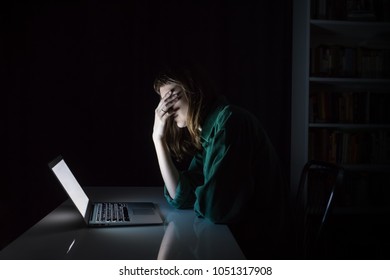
column 79, row 76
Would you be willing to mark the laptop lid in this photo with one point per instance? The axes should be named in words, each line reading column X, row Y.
column 71, row 186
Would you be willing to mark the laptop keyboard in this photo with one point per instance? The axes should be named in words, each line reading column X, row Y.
column 112, row 212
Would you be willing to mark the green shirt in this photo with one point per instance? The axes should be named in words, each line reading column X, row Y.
column 235, row 174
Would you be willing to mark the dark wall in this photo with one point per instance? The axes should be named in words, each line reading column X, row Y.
column 79, row 82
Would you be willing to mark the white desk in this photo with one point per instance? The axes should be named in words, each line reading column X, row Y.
column 62, row 234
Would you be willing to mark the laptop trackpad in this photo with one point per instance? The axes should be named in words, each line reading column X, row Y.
column 143, row 211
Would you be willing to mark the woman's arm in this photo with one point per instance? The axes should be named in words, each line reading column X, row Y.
column 168, row 170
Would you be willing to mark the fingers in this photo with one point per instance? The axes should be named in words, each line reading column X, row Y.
column 165, row 107
column 162, row 104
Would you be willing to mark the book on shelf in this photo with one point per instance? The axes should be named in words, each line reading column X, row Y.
column 343, row 61
column 349, row 147
column 364, row 189
column 349, row 107
column 352, row 10
column 361, row 10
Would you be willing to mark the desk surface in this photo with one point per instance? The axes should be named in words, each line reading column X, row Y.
column 62, row 234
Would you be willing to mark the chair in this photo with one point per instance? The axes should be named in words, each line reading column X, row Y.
column 318, row 184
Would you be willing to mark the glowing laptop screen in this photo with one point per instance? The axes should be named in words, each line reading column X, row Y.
column 72, row 187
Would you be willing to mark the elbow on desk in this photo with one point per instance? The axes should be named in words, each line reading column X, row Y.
column 180, row 204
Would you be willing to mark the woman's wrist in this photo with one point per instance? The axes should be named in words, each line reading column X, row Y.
column 158, row 139
column 160, row 144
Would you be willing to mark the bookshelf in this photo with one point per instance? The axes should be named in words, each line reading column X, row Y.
column 341, row 95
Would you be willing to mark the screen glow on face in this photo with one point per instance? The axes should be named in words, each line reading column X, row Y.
column 73, row 188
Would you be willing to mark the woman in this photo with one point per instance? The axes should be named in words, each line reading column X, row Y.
column 234, row 175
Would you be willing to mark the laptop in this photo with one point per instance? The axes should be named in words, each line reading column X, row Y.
column 103, row 213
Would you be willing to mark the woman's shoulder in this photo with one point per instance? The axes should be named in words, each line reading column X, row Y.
column 232, row 115
column 230, row 118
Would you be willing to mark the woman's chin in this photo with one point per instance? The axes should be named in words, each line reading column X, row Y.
column 181, row 124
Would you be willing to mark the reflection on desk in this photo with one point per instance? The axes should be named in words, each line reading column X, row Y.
column 202, row 240
column 63, row 235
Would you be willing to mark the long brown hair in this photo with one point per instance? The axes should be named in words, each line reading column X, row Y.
column 200, row 93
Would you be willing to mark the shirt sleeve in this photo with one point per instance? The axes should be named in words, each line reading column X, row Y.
column 188, row 181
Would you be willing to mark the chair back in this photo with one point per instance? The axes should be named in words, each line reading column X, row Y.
column 318, row 184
